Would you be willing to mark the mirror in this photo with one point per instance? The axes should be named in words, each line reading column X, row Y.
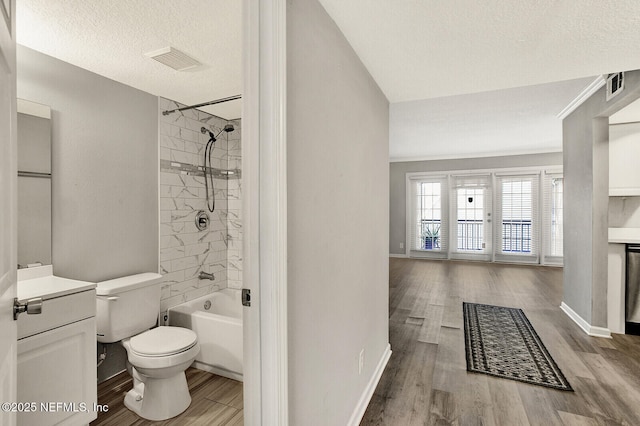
column 34, row 184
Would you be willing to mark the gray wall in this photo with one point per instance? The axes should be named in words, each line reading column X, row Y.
column 398, row 171
column 104, row 167
column 586, row 200
column 338, row 216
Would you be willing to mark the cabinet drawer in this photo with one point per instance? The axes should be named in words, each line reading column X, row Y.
column 57, row 312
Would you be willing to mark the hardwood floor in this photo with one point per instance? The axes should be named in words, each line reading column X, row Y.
column 426, row 382
column 215, row 401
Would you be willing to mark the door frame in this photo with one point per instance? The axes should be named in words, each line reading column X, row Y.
column 265, row 212
column 8, row 209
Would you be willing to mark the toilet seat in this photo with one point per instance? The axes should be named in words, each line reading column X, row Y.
column 163, row 341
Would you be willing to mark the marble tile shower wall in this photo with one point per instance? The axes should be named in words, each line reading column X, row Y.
column 184, row 250
column 234, row 219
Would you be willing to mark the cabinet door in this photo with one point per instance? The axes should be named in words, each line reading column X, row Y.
column 624, row 148
column 57, row 371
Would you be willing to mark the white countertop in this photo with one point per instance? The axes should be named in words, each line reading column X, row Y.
column 40, row 282
column 624, row 235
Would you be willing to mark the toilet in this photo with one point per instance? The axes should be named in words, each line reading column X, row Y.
column 126, row 310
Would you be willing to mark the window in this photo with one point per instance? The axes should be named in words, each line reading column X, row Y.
column 429, row 216
column 517, row 202
column 556, row 217
column 553, row 212
column 428, row 227
column 507, row 215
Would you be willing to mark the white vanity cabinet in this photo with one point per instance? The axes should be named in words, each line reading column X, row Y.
column 57, row 353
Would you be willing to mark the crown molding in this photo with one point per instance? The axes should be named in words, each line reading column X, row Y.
column 583, row 96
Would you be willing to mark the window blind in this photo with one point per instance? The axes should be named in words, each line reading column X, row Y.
column 517, row 218
column 553, row 218
column 471, row 181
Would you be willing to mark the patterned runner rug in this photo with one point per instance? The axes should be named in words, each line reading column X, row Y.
column 501, row 342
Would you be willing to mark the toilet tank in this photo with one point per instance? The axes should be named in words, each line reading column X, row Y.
column 127, row 306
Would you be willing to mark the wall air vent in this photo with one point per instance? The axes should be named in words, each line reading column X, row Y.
column 615, row 84
column 173, row 58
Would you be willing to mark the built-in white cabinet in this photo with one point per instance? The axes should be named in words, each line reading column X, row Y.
column 616, row 287
column 624, row 151
column 56, row 369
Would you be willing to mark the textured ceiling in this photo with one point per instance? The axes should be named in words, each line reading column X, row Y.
column 419, row 49
column 110, row 38
column 415, row 49
column 503, row 122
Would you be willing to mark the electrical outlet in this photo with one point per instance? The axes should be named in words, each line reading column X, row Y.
column 401, row 245
column 361, row 361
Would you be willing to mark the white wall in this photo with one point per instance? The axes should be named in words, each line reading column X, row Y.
column 338, row 219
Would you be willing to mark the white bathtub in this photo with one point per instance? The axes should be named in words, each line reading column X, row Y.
column 219, row 330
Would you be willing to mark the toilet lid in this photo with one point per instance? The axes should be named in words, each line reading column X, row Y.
column 162, row 341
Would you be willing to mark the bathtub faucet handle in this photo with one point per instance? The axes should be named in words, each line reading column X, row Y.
column 206, row 276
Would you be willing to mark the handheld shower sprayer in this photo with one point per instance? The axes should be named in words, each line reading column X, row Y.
column 227, row 128
column 204, row 130
column 208, row 176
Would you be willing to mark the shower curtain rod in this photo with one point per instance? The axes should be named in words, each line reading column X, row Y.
column 217, row 101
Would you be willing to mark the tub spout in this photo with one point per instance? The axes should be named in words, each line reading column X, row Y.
column 206, row 276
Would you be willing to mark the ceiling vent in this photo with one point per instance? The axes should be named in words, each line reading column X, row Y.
column 173, row 58
column 615, row 84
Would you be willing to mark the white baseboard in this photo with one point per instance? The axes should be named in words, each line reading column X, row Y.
column 398, row 255
column 585, row 326
column 218, row 371
column 363, row 402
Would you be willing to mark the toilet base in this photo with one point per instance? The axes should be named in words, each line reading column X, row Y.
column 159, row 399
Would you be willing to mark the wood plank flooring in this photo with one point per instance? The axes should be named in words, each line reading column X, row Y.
column 215, row 401
column 426, row 382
